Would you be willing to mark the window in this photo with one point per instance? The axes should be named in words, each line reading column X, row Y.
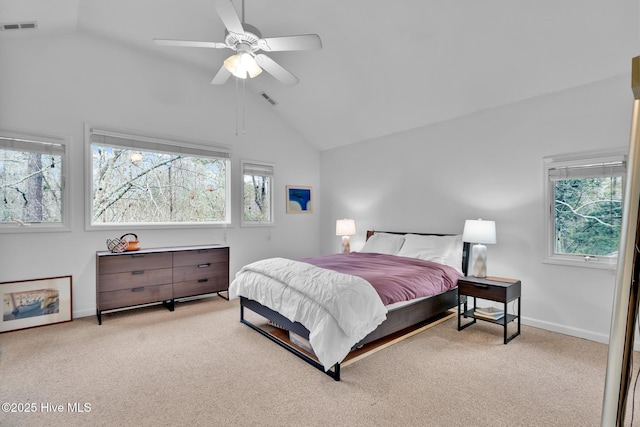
column 257, row 191
column 584, row 197
column 32, row 180
column 149, row 181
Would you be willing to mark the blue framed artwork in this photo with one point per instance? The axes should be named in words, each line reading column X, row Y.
column 299, row 199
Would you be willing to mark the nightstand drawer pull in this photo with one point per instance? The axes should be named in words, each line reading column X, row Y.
column 137, row 273
column 202, row 280
column 137, row 289
column 481, row 286
column 204, row 265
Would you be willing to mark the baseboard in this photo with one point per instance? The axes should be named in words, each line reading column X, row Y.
column 84, row 313
column 574, row 332
column 566, row 330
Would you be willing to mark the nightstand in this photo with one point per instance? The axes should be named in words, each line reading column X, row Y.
column 496, row 289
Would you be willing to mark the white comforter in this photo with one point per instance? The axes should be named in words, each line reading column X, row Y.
column 337, row 309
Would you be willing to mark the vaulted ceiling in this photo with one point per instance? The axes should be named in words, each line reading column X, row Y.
column 385, row 66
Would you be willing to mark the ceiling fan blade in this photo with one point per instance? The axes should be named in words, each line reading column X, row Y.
column 229, row 16
column 189, row 43
column 221, row 76
column 276, row 70
column 301, row 42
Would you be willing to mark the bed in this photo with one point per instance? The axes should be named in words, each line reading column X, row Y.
column 289, row 294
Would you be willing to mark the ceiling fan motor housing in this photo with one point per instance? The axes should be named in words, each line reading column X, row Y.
column 249, row 38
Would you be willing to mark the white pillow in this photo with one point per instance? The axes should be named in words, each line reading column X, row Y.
column 384, row 243
column 446, row 250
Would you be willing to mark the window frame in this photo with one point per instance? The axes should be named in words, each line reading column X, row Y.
column 244, row 164
column 142, row 142
column 574, row 161
column 65, row 221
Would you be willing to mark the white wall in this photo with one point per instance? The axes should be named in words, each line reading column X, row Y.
column 54, row 85
column 488, row 165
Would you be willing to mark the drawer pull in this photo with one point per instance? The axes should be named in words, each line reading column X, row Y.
column 481, row 286
column 202, row 280
column 204, row 265
column 137, row 289
column 203, row 251
column 137, row 255
column 137, row 273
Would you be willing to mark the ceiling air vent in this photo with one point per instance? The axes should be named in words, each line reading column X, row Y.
column 268, row 98
column 19, row 26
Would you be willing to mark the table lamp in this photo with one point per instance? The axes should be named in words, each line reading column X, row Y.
column 345, row 228
column 479, row 232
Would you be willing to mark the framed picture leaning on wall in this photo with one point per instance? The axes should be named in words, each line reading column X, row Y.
column 31, row 303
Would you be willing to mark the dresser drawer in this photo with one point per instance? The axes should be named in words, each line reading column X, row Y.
column 134, row 279
column 200, row 271
column 135, row 296
column 199, row 287
column 133, row 262
column 200, row 256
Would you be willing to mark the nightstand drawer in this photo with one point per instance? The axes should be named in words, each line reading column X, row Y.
column 482, row 291
column 490, row 290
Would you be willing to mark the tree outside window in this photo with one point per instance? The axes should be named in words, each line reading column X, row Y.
column 257, row 200
column 588, row 215
column 32, row 171
column 145, row 181
column 585, row 198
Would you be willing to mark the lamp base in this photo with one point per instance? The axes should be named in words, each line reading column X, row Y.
column 479, row 261
column 346, row 246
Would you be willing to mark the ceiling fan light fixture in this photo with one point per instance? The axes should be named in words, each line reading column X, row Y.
column 242, row 64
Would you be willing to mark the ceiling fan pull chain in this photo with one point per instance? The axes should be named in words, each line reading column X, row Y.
column 237, row 112
column 243, row 100
column 240, row 95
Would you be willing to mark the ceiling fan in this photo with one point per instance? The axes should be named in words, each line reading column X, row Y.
column 246, row 40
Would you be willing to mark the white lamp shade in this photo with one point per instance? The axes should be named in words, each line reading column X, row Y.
column 345, row 227
column 479, row 231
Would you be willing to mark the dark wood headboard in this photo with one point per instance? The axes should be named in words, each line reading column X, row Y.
column 465, row 245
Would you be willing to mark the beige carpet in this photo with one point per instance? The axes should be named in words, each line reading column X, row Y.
column 200, row 366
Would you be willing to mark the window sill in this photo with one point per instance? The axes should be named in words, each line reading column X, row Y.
column 33, row 228
column 602, row 264
column 156, row 226
column 257, row 224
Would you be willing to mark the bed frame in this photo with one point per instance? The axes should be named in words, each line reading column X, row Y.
column 412, row 315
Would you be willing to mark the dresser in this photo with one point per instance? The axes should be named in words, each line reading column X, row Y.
column 159, row 275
